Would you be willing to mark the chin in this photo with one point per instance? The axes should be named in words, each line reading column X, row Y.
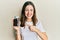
column 29, row 17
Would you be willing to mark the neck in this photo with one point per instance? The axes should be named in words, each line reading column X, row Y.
column 29, row 20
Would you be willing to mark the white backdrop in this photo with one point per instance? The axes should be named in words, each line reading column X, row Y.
column 48, row 12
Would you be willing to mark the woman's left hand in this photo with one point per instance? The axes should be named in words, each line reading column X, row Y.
column 32, row 28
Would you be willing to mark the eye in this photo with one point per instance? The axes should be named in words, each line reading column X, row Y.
column 26, row 9
column 31, row 9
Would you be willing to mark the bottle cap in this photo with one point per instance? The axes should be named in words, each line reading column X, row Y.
column 16, row 17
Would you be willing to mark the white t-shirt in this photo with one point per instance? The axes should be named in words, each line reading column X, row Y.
column 29, row 35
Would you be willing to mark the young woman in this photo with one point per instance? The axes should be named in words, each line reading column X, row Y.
column 30, row 28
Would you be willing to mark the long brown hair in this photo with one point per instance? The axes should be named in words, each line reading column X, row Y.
column 23, row 17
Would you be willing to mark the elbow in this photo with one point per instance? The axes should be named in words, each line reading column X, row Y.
column 46, row 38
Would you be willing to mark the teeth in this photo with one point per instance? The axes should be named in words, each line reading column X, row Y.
column 28, row 15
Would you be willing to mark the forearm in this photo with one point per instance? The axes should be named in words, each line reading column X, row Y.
column 41, row 35
column 18, row 35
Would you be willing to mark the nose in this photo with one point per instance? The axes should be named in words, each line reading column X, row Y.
column 29, row 12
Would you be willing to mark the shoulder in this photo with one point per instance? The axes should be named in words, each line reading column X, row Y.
column 38, row 22
column 40, row 26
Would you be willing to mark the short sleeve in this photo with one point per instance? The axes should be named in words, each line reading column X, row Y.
column 40, row 27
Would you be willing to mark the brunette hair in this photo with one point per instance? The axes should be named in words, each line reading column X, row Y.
column 23, row 17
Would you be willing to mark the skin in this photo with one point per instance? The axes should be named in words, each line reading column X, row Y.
column 29, row 13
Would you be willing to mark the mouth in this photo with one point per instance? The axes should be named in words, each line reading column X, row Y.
column 29, row 15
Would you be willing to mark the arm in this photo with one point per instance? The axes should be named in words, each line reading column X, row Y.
column 42, row 35
column 18, row 35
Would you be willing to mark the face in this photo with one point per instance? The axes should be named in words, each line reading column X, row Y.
column 29, row 11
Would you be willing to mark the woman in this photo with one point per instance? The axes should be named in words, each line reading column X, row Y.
column 30, row 28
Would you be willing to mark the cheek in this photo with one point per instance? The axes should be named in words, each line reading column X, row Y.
column 26, row 13
column 32, row 13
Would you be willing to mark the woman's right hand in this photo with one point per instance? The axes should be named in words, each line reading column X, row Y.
column 17, row 28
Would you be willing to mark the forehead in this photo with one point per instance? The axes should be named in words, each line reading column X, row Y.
column 29, row 7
